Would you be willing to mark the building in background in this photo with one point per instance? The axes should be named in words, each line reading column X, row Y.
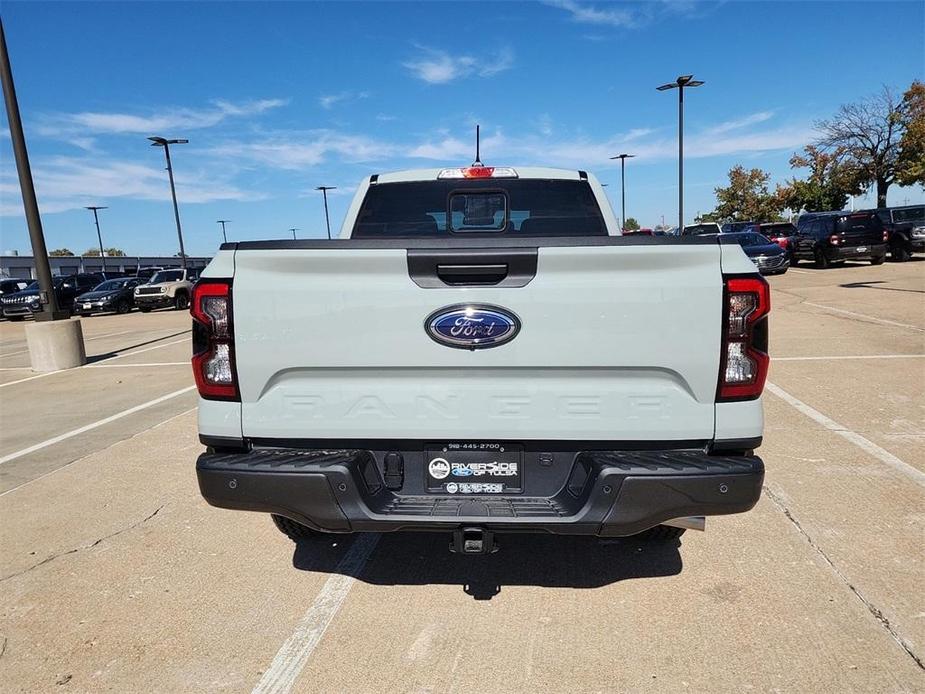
column 24, row 266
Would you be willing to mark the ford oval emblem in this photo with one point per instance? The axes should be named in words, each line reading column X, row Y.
column 472, row 326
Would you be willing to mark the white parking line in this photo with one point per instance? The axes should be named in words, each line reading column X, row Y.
column 94, row 425
column 129, row 366
column 77, row 460
column 864, row 444
column 294, row 654
column 874, row 319
column 802, row 272
column 29, row 378
column 859, row 356
column 142, row 351
column 86, row 339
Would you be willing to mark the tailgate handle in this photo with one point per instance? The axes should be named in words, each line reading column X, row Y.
column 439, row 268
column 472, row 274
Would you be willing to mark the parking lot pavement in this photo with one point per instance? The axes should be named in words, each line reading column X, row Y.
column 117, row 576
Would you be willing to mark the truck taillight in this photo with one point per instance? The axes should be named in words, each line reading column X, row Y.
column 834, row 239
column 213, row 340
column 744, row 360
column 886, row 235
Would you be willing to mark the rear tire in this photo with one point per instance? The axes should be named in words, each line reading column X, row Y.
column 660, row 533
column 293, row 530
column 821, row 261
column 15, row 318
column 878, row 260
column 145, row 309
column 899, row 254
column 181, row 302
column 123, row 306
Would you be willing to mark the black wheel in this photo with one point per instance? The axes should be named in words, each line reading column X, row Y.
column 899, row 253
column 145, row 309
column 15, row 318
column 660, row 533
column 793, row 260
column 293, row 530
column 85, row 315
column 181, row 301
column 821, row 261
column 123, row 306
column 877, row 260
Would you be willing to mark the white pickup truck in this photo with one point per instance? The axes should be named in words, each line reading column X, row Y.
column 480, row 352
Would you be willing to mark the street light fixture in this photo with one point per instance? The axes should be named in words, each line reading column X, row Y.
column 98, row 235
column 680, row 83
column 623, row 158
column 293, row 230
column 165, row 143
column 324, row 190
column 223, row 222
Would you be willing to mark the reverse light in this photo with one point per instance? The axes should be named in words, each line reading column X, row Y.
column 834, row 239
column 744, row 357
column 886, row 235
column 213, row 341
column 478, row 172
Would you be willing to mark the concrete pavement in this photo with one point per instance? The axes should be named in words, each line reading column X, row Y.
column 116, row 576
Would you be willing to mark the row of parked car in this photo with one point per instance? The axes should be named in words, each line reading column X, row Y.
column 87, row 293
column 826, row 238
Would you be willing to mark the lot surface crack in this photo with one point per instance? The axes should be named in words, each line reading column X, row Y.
column 85, row 547
column 873, row 609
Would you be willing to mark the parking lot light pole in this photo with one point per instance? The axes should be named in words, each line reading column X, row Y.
column 223, row 222
column 324, row 191
column 623, row 158
column 165, row 143
column 293, row 230
column 30, row 204
column 99, row 236
column 680, row 84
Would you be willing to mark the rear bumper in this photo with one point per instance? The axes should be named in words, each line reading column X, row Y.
column 606, row 493
column 848, row 252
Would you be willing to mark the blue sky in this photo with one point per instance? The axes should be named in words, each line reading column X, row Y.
column 277, row 98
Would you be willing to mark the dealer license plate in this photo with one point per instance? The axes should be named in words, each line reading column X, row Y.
column 474, row 468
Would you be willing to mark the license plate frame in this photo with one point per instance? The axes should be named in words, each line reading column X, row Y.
column 473, row 468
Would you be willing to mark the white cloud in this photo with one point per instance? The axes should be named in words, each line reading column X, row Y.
column 67, row 183
column 589, row 14
column 297, row 150
column 329, row 101
column 161, row 121
column 439, row 67
column 752, row 119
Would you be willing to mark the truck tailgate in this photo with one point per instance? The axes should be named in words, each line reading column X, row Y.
column 618, row 343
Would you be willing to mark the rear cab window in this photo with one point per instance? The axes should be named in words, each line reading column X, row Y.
column 491, row 207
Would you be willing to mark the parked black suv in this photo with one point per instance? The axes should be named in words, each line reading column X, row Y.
column 26, row 303
column 831, row 237
column 906, row 229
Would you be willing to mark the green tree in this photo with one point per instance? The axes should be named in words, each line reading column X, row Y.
column 631, row 224
column 872, row 139
column 746, row 198
column 827, row 187
column 110, row 253
column 910, row 166
column 60, row 252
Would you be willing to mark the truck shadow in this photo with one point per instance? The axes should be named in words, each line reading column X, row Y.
column 529, row 560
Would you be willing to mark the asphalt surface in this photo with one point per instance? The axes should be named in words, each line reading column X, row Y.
column 116, row 576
